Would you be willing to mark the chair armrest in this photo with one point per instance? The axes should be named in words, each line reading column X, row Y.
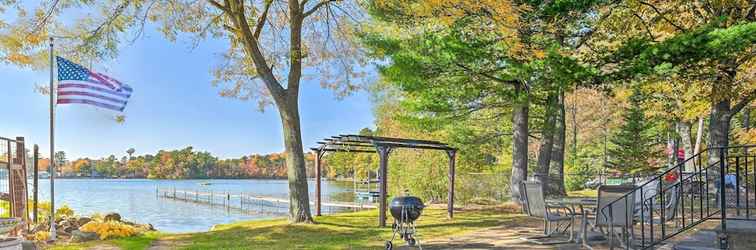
column 560, row 209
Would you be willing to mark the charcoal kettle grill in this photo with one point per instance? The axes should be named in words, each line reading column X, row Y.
column 405, row 210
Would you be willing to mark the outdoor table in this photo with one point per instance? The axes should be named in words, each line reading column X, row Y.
column 582, row 203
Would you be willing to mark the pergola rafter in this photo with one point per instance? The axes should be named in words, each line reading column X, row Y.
column 383, row 146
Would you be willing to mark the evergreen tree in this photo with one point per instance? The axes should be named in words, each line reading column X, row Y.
column 633, row 145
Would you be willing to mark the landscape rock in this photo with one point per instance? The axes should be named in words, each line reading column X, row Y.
column 79, row 236
column 69, row 229
column 83, row 220
column 112, row 217
column 28, row 245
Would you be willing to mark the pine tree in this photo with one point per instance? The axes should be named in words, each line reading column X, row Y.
column 633, row 145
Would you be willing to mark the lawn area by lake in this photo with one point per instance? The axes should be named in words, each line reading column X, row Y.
column 356, row 230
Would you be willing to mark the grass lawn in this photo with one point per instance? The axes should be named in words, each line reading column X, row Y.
column 129, row 243
column 584, row 193
column 339, row 231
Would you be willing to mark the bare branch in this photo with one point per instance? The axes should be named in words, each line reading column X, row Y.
column 220, row 6
column 262, row 19
column 489, row 76
column 253, row 50
column 663, row 16
column 97, row 31
column 317, row 6
column 743, row 102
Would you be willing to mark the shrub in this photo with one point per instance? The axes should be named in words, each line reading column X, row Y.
column 110, row 229
column 41, row 236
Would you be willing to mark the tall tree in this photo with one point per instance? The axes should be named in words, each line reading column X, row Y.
column 456, row 58
column 709, row 43
column 634, row 146
column 270, row 44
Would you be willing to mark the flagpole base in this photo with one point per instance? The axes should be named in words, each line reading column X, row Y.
column 53, row 233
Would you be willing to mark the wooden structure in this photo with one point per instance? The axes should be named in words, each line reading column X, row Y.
column 383, row 146
column 13, row 186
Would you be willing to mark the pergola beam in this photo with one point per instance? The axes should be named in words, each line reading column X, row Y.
column 383, row 146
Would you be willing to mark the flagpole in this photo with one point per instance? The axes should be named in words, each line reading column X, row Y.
column 52, row 144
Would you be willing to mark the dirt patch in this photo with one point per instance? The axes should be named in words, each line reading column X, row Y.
column 164, row 244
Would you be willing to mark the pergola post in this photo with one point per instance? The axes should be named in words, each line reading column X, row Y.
column 452, row 161
column 383, row 146
column 318, row 155
column 383, row 153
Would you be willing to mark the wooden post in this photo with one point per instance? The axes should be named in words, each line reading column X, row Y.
column 36, row 181
column 383, row 153
column 450, row 204
column 317, row 182
column 17, row 179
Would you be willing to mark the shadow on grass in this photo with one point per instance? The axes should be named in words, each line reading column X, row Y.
column 342, row 231
column 284, row 237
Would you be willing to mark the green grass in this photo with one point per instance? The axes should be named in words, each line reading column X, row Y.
column 340, row 231
column 129, row 243
column 584, row 193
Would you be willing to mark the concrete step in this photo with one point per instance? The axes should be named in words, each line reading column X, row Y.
column 700, row 240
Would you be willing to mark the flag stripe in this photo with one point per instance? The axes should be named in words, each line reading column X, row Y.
column 65, row 85
column 102, row 80
column 91, row 102
column 82, row 93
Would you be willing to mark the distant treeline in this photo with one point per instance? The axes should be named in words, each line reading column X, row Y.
column 177, row 164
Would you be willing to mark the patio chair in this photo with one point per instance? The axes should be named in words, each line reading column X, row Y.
column 648, row 207
column 524, row 201
column 551, row 214
column 615, row 219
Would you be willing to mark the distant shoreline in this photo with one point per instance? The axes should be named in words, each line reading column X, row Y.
column 145, row 178
column 214, row 178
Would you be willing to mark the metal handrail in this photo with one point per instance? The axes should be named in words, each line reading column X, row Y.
column 699, row 206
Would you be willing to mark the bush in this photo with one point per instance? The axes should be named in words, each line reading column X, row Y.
column 110, row 229
column 43, row 211
column 41, row 236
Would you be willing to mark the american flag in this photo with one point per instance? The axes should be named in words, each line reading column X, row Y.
column 79, row 85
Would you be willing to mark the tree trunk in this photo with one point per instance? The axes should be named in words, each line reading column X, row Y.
column 557, row 152
column 299, row 208
column 547, row 142
column 699, row 136
column 671, row 149
column 519, row 141
column 683, row 129
column 719, row 127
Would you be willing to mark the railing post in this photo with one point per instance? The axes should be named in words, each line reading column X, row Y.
column 722, row 198
column 35, row 163
column 318, row 173
column 737, row 184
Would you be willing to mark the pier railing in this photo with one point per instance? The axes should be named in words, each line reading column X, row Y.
column 247, row 203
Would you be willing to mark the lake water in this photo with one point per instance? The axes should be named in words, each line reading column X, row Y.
column 136, row 199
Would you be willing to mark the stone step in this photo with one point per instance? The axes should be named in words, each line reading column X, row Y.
column 701, row 240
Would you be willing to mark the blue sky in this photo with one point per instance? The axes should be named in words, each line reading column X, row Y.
column 174, row 105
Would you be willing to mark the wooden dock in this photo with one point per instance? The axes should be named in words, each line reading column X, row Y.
column 248, row 203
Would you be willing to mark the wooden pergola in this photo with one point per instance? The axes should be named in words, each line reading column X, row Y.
column 383, row 146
